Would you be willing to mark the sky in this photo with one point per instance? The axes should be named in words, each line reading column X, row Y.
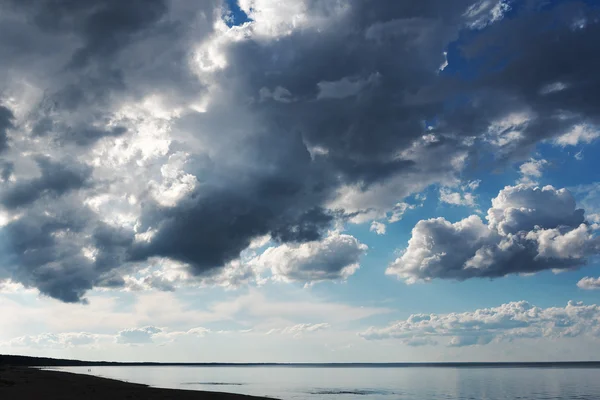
column 300, row 180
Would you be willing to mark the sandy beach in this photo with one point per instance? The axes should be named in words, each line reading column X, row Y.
column 32, row 383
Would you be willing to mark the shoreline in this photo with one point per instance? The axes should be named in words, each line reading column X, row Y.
column 27, row 361
column 36, row 383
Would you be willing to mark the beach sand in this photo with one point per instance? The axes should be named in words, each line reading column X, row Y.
column 30, row 383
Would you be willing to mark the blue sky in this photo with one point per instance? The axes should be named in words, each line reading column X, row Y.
column 301, row 181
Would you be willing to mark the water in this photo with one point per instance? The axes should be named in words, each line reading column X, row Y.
column 301, row 383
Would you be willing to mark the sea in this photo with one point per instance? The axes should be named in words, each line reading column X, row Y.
column 370, row 383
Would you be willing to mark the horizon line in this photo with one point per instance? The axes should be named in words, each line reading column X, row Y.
column 59, row 362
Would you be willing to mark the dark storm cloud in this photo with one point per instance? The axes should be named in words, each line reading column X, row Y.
column 56, row 178
column 86, row 57
column 6, row 170
column 356, row 100
column 308, row 226
column 43, row 247
column 273, row 197
column 81, row 136
column 108, row 27
column 559, row 49
column 105, row 26
column 362, row 131
column 112, row 244
column 44, row 251
column 105, row 51
column 6, row 118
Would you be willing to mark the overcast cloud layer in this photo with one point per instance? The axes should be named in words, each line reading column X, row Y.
column 140, row 133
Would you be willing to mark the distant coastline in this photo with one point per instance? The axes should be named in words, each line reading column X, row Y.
column 26, row 361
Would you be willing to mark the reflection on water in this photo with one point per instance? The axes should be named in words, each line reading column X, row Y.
column 369, row 383
column 354, row 392
column 213, row 383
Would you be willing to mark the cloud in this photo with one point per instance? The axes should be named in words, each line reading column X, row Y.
column 166, row 275
column 518, row 208
column 460, row 195
column 531, row 170
column 588, row 195
column 578, row 134
column 217, row 126
column 57, row 178
column 418, row 342
column 378, row 227
column 55, row 340
column 399, row 210
column 167, row 337
column 109, row 313
column 336, row 257
column 302, row 308
column 274, row 19
column 138, row 335
column 589, row 283
column 485, row 12
column 305, row 328
column 299, row 329
column 553, row 87
column 345, row 87
column 132, row 336
column 505, row 323
column 66, row 81
column 456, row 198
column 528, row 230
column 9, row 286
column 6, row 118
column 278, row 94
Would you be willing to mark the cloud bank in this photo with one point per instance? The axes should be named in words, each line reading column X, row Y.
column 142, row 130
column 508, row 322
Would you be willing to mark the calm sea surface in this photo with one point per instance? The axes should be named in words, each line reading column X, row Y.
column 369, row 383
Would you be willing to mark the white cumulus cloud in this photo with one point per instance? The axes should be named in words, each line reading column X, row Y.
column 378, row 227
column 336, row 257
column 528, row 230
column 532, row 170
column 589, row 283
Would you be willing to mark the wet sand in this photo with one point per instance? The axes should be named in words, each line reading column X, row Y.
column 31, row 383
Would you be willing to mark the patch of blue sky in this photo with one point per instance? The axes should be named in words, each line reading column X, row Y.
column 235, row 15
